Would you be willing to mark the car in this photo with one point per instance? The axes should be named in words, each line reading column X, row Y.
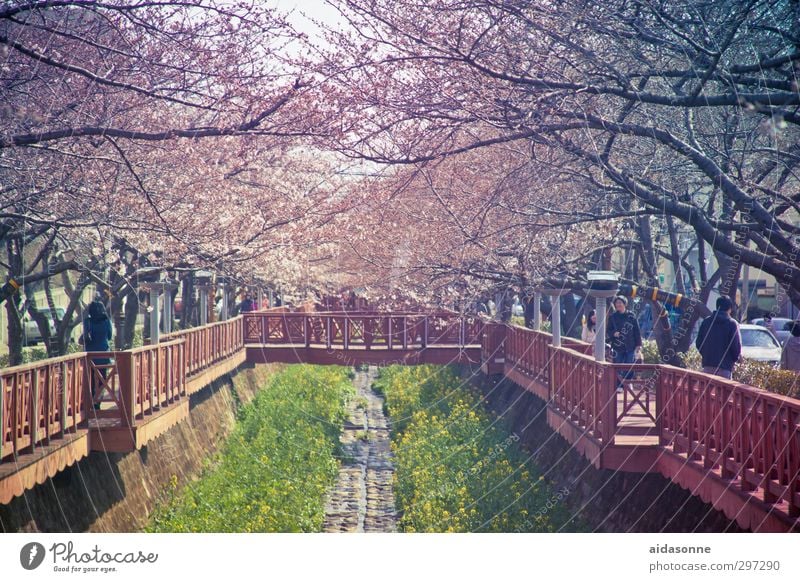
column 759, row 344
column 782, row 326
column 32, row 334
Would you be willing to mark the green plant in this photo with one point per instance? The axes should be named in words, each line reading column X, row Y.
column 277, row 465
column 457, row 469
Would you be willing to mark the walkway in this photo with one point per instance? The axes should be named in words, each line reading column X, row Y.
column 363, row 498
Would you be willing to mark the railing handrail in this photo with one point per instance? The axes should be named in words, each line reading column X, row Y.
column 738, row 386
column 355, row 314
column 211, row 325
column 42, row 363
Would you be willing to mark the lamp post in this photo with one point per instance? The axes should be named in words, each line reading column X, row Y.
column 555, row 313
column 163, row 286
column 150, row 277
column 602, row 286
column 259, row 297
column 204, row 285
column 223, row 283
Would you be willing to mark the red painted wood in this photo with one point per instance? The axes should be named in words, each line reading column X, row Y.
column 39, row 402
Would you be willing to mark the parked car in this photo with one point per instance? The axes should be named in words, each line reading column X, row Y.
column 782, row 327
column 32, row 334
column 759, row 344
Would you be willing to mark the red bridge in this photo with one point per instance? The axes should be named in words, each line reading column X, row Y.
column 734, row 446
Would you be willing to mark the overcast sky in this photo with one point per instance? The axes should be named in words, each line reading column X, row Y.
column 304, row 10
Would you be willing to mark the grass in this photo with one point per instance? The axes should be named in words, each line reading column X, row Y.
column 458, row 469
column 277, row 465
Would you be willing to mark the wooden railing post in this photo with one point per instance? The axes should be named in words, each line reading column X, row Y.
column 184, row 371
column 62, row 417
column 307, row 330
column 328, row 327
column 15, row 413
column 34, row 408
column 127, row 387
column 660, row 386
column 346, row 332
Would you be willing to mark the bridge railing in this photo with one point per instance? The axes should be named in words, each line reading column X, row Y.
column 211, row 344
column 749, row 436
column 41, row 401
column 363, row 330
column 529, row 352
column 140, row 381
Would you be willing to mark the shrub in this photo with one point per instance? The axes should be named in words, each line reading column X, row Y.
column 276, row 467
column 457, row 469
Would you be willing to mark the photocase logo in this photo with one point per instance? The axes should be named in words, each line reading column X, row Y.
column 32, row 555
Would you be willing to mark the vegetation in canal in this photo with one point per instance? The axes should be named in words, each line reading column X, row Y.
column 274, row 471
column 458, row 469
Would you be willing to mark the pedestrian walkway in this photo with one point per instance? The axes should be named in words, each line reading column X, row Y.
column 363, row 498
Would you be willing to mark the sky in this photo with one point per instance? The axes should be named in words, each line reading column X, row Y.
column 303, row 11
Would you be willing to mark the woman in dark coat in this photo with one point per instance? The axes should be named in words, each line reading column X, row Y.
column 96, row 335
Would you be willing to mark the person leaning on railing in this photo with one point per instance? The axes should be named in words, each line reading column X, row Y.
column 96, row 335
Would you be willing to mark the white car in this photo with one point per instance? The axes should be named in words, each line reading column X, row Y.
column 782, row 325
column 759, row 344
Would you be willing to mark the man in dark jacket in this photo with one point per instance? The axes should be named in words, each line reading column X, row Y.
column 247, row 305
column 96, row 335
column 719, row 340
column 623, row 333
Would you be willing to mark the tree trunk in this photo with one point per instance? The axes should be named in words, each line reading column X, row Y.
column 15, row 331
column 188, row 318
column 572, row 320
column 127, row 332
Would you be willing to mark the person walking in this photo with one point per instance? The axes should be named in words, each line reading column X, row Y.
column 719, row 340
column 96, row 335
column 529, row 307
column 790, row 357
column 247, row 305
column 623, row 333
column 625, row 337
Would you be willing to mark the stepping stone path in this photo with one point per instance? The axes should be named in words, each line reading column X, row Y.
column 363, row 498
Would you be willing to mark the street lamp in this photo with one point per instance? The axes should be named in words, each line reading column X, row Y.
column 555, row 313
column 602, row 286
column 204, row 285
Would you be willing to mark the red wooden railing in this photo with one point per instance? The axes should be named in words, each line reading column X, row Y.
column 368, row 330
column 584, row 391
column 750, row 436
column 211, row 344
column 41, row 401
column 140, row 381
column 529, row 352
